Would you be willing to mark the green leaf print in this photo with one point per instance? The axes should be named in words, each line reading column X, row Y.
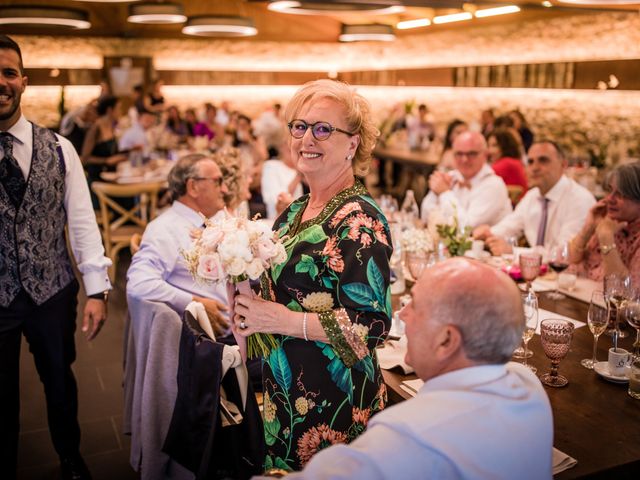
column 294, row 306
column 279, row 463
column 293, row 210
column 376, row 280
column 387, row 306
column 280, row 367
column 326, row 281
column 371, row 202
column 313, row 234
column 307, row 265
column 271, row 430
column 268, row 463
column 363, row 295
column 340, row 374
column 366, row 365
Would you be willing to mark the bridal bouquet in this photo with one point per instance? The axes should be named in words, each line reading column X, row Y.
column 233, row 249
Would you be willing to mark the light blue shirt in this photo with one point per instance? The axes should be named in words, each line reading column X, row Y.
column 158, row 272
column 490, row 421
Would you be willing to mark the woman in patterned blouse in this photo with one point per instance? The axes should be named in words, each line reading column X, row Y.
column 609, row 242
column 328, row 305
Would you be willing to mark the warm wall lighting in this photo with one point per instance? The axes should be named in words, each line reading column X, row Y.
column 363, row 33
column 50, row 16
column 454, row 17
column 156, row 13
column 490, row 12
column 547, row 4
column 318, row 7
column 418, row 22
column 220, row 26
column 600, row 2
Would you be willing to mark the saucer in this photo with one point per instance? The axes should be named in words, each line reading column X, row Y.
column 482, row 256
column 602, row 369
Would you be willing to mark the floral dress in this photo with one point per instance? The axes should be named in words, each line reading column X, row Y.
column 317, row 394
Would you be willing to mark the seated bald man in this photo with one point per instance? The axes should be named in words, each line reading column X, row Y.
column 467, row 421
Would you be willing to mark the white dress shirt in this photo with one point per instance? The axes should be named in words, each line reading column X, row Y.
column 158, row 272
column 276, row 177
column 84, row 235
column 486, row 202
column 134, row 136
column 569, row 204
column 490, row 421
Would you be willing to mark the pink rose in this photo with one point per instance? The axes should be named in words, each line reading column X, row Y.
column 266, row 250
column 210, row 268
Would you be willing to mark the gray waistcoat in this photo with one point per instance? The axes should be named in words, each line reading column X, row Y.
column 33, row 252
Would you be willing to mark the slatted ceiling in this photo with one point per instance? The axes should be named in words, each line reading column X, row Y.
column 109, row 19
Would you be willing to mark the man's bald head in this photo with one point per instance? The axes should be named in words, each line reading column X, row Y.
column 469, row 153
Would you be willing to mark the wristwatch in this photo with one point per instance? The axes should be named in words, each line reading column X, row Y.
column 104, row 296
column 606, row 249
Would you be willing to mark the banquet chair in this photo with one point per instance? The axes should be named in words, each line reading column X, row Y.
column 118, row 223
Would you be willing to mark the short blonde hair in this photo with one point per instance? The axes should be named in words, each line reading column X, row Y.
column 234, row 174
column 358, row 118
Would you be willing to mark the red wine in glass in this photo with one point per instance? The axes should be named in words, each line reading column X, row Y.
column 558, row 266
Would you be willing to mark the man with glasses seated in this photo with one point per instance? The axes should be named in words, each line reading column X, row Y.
column 552, row 211
column 157, row 272
column 476, row 416
column 472, row 191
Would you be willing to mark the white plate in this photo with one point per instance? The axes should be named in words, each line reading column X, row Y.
column 483, row 256
column 602, row 369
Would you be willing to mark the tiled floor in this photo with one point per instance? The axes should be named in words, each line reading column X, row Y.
column 98, row 370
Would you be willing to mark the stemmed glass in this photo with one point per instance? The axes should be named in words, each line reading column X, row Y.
column 507, row 258
column 530, row 267
column 558, row 261
column 616, row 289
column 417, row 262
column 632, row 315
column 556, row 337
column 598, row 319
column 389, row 206
column 530, row 306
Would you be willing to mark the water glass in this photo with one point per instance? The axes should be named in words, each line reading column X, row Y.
column 556, row 338
column 417, row 262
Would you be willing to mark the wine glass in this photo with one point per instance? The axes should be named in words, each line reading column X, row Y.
column 556, row 338
column 389, row 207
column 558, row 261
column 530, row 267
column 508, row 257
column 417, row 262
column 632, row 315
column 616, row 289
column 598, row 319
column 530, row 306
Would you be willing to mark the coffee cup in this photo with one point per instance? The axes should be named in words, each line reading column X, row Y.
column 619, row 358
column 477, row 247
column 567, row 280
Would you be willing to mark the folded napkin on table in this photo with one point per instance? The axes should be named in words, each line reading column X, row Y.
column 392, row 355
column 561, row 461
column 545, row 314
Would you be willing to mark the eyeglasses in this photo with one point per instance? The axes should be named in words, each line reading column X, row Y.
column 216, row 180
column 471, row 155
column 320, row 130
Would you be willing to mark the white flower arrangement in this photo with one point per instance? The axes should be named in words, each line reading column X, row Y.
column 416, row 240
column 233, row 249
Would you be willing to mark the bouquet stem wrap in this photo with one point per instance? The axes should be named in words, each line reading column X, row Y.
column 258, row 344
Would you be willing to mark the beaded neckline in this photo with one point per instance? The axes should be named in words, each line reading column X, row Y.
column 356, row 189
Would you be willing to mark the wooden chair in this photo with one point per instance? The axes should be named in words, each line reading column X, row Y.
column 515, row 193
column 119, row 224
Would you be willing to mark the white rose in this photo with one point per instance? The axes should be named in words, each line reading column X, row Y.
column 255, row 269
column 211, row 236
column 280, row 256
column 266, row 249
column 236, row 266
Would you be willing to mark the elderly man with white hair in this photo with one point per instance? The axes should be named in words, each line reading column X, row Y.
column 476, row 416
column 472, row 191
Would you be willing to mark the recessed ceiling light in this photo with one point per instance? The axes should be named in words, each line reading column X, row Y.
column 220, row 26
column 418, row 22
column 50, row 16
column 490, row 12
column 363, row 33
column 602, row 3
column 547, row 4
column 454, row 17
column 317, row 7
column 156, row 13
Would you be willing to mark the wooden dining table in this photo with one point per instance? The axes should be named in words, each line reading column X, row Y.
column 595, row 421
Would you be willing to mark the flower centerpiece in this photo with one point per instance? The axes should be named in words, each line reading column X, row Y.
column 234, row 250
column 416, row 240
column 457, row 239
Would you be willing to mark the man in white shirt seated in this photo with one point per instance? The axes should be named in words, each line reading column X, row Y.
column 476, row 416
column 136, row 136
column 473, row 191
column 158, row 272
column 552, row 211
column 281, row 182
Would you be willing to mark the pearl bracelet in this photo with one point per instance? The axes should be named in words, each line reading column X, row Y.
column 304, row 326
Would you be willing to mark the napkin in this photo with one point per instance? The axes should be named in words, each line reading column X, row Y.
column 561, row 461
column 412, row 386
column 582, row 290
column 545, row 314
column 392, row 355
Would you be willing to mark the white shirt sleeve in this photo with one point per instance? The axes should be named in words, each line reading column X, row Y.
column 150, row 266
column 488, row 205
column 84, row 235
column 512, row 224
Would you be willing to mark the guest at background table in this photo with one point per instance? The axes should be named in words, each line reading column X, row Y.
column 551, row 212
column 136, row 137
column 609, row 241
column 472, row 191
column 328, row 305
column 76, row 123
column 469, row 418
column 522, row 127
column 209, row 127
column 487, row 117
column 505, row 157
column 236, row 178
column 281, row 182
column 100, row 148
column 455, row 128
column 44, row 201
column 175, row 124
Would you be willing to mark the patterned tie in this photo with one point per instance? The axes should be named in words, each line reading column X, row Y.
column 542, row 227
column 11, row 176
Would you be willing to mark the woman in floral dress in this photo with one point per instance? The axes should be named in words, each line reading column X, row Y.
column 329, row 305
